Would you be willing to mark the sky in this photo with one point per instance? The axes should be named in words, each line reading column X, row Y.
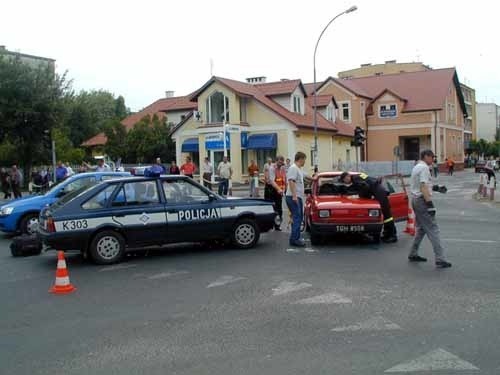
column 140, row 49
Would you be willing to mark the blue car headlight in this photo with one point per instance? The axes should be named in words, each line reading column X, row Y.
column 5, row 211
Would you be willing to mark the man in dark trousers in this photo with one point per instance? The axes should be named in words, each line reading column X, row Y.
column 277, row 179
column 368, row 187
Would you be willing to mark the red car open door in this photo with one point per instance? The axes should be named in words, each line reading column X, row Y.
column 398, row 196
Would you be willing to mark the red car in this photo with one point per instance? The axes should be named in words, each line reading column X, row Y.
column 333, row 208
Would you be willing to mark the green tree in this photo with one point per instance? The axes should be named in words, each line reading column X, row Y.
column 149, row 139
column 116, row 134
column 64, row 148
column 31, row 105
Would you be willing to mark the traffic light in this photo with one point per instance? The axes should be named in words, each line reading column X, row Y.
column 359, row 137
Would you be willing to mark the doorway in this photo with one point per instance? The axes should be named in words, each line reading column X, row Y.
column 411, row 148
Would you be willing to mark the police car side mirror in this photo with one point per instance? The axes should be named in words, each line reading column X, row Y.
column 307, row 191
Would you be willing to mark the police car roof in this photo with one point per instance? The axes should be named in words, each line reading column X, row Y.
column 144, row 178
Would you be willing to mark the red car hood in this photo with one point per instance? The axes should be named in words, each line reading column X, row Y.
column 344, row 202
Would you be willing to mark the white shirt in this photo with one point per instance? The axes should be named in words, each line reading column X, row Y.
column 295, row 173
column 206, row 168
column 225, row 170
column 70, row 171
column 420, row 174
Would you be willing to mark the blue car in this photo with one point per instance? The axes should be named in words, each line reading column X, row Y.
column 107, row 220
column 21, row 215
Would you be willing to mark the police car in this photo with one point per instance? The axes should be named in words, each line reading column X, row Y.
column 107, row 220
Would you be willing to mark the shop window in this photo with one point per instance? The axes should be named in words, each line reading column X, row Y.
column 262, row 155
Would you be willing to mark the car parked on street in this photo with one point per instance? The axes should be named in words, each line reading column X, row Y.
column 333, row 208
column 21, row 215
column 106, row 221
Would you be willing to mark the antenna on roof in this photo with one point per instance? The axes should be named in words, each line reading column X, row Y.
column 211, row 67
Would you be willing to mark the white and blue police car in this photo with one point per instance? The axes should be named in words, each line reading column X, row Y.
column 107, row 220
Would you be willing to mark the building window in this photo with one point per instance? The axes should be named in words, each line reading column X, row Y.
column 262, row 156
column 329, row 113
column 243, row 109
column 345, row 108
column 388, row 111
column 451, row 112
column 217, row 108
column 297, row 107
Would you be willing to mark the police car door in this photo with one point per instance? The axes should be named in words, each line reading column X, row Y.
column 138, row 208
column 191, row 214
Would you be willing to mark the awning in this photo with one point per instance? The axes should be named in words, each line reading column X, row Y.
column 262, row 141
column 191, row 145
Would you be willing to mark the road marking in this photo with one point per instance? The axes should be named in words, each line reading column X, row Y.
column 436, row 360
column 376, row 323
column 310, row 250
column 294, row 251
column 164, row 275
column 464, row 240
column 288, row 287
column 117, row 267
column 223, row 280
column 328, row 298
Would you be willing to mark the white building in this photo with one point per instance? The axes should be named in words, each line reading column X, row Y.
column 488, row 121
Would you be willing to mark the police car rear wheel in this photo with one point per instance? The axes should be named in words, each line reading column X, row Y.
column 107, row 247
column 245, row 234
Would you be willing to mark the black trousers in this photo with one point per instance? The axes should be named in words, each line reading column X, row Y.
column 380, row 195
column 268, row 192
column 278, row 204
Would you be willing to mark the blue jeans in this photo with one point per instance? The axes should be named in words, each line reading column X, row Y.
column 297, row 210
column 223, row 186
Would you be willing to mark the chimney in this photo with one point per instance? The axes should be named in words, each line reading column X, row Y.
column 169, row 94
column 390, row 62
column 256, row 80
column 367, row 64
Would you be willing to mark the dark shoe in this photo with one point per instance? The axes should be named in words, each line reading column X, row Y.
column 417, row 258
column 278, row 229
column 298, row 243
column 443, row 264
column 390, row 239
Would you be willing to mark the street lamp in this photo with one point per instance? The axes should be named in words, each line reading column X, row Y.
column 351, row 9
column 53, row 146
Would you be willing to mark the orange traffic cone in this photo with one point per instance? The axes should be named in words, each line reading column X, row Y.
column 62, row 285
column 410, row 224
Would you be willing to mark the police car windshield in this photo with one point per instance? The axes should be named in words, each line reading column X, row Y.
column 69, row 196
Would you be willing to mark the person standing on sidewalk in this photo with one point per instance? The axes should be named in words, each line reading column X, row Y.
column 435, row 167
column 425, row 212
column 295, row 198
column 4, row 176
column 174, row 169
column 16, row 180
column 188, row 168
column 277, row 177
column 225, row 171
column 253, row 177
column 206, row 169
column 268, row 189
column 451, row 166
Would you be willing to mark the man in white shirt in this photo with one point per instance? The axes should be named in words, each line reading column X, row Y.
column 295, row 198
column 206, row 170
column 425, row 212
column 225, row 171
column 100, row 167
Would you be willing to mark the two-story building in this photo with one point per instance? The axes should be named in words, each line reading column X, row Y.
column 266, row 120
column 403, row 113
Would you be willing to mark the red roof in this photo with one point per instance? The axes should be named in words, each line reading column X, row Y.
column 280, row 88
column 426, row 90
column 97, row 140
column 159, row 108
column 321, row 100
column 297, row 119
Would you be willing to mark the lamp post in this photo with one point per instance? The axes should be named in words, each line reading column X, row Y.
column 351, row 9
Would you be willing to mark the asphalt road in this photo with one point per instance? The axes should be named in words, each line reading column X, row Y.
column 334, row 309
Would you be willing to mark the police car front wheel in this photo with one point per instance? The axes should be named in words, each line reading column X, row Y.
column 245, row 234
column 107, row 247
